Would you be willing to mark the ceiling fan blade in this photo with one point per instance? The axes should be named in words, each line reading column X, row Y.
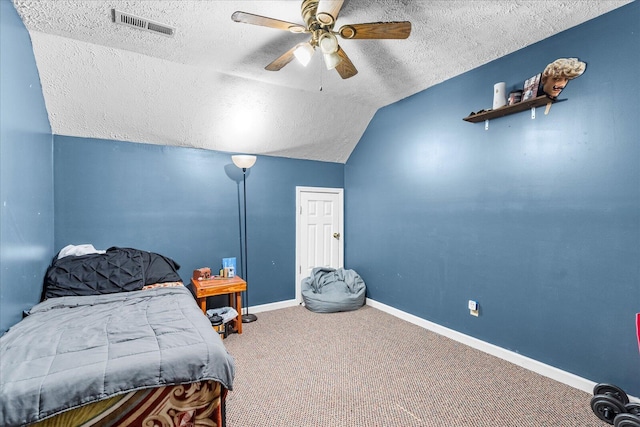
column 328, row 10
column 250, row 18
column 376, row 30
column 345, row 68
column 281, row 61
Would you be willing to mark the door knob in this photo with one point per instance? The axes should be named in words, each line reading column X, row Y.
column 336, row 235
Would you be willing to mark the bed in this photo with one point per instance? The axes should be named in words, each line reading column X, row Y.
column 117, row 340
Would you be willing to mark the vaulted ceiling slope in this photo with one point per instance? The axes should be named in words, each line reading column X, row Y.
column 207, row 87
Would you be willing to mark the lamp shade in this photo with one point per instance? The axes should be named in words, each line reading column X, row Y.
column 331, row 60
column 328, row 43
column 303, row 53
column 243, row 161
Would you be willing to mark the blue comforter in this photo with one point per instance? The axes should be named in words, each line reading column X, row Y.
column 76, row 350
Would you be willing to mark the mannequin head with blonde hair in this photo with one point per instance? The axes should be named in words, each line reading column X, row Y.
column 557, row 74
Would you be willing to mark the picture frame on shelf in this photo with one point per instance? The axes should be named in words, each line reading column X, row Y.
column 530, row 87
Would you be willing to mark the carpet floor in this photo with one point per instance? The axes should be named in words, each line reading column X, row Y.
column 296, row 368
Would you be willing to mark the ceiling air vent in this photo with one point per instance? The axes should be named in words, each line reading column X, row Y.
column 142, row 23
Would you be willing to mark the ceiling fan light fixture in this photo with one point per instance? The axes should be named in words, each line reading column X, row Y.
column 328, row 43
column 303, row 53
column 331, row 60
column 319, row 18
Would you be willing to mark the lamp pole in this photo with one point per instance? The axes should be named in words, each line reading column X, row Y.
column 244, row 162
column 246, row 318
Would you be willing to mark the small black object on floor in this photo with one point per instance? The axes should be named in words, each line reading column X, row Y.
column 611, row 404
column 219, row 325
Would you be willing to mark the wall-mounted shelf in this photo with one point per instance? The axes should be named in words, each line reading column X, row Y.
column 510, row 109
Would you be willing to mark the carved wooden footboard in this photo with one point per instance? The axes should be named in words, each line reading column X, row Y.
column 186, row 405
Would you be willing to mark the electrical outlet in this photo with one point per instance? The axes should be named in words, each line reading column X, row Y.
column 473, row 308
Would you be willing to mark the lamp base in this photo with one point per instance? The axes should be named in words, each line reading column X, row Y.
column 248, row 318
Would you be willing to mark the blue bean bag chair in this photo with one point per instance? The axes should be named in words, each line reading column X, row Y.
column 328, row 290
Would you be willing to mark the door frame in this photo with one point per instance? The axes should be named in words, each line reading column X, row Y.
column 326, row 190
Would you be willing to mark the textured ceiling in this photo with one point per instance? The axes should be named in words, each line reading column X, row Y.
column 206, row 87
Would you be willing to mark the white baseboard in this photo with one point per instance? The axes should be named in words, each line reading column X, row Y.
column 272, row 306
column 515, row 358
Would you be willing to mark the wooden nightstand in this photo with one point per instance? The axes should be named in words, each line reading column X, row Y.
column 233, row 287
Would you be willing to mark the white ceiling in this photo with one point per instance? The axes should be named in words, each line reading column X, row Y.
column 206, row 87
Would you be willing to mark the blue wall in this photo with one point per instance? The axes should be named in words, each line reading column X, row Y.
column 537, row 220
column 26, row 172
column 185, row 204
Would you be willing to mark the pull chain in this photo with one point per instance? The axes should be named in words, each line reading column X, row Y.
column 320, row 62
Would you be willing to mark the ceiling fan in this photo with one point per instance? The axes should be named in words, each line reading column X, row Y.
column 320, row 17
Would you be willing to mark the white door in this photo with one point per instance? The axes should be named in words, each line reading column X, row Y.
column 319, row 231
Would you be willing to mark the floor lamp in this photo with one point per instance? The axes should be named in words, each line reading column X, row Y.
column 244, row 162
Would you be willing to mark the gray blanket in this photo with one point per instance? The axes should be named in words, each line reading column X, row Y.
column 76, row 350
